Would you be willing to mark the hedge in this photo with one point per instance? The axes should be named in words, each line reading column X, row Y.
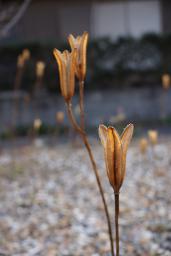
column 111, row 64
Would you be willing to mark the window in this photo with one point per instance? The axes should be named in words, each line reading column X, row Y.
column 122, row 18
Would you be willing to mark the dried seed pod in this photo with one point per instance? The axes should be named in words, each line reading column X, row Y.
column 153, row 137
column 143, row 145
column 66, row 65
column 115, row 149
column 20, row 61
column 40, row 69
column 80, row 44
column 26, row 54
column 166, row 81
column 37, row 124
column 60, row 117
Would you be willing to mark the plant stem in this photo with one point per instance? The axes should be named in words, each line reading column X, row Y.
column 18, row 78
column 17, row 86
column 81, row 103
column 87, row 145
column 116, row 222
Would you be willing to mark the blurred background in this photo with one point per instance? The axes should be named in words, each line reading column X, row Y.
column 128, row 80
column 129, row 52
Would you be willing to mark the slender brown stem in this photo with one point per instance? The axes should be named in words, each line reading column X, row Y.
column 87, row 145
column 72, row 119
column 17, row 86
column 116, row 222
column 164, row 103
column 18, row 78
column 81, row 91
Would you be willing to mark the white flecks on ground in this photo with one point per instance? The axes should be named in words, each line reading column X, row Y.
column 49, row 202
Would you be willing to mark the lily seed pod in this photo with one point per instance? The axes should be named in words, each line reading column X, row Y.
column 143, row 145
column 115, row 150
column 37, row 124
column 153, row 137
column 166, row 81
column 80, row 44
column 40, row 68
column 26, row 54
column 66, row 65
column 20, row 61
column 60, row 117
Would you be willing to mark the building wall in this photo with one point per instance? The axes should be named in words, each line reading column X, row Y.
column 126, row 18
column 39, row 23
column 74, row 18
column 54, row 20
column 166, row 16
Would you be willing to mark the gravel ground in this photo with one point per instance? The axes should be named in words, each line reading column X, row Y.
column 49, row 202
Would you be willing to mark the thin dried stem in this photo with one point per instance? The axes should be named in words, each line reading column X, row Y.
column 116, row 222
column 72, row 119
column 39, row 82
column 87, row 145
column 18, row 78
column 17, row 86
column 81, row 91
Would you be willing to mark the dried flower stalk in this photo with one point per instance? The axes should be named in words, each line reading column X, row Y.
column 37, row 124
column 166, row 80
column 21, row 61
column 60, row 117
column 143, row 144
column 40, row 68
column 153, row 137
column 80, row 44
column 26, row 54
column 66, row 65
column 87, row 145
column 71, row 64
column 115, row 151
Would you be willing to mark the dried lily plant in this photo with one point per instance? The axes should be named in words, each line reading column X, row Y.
column 80, row 44
column 60, row 117
column 153, row 137
column 73, row 64
column 166, row 82
column 21, row 63
column 37, row 124
column 115, row 151
column 143, row 145
column 40, row 69
column 153, row 141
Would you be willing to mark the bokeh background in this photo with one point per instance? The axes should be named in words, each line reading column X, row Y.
column 129, row 51
column 49, row 203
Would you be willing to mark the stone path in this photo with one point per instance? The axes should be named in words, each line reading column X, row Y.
column 50, row 206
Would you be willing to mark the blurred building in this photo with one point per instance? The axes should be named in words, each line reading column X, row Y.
column 49, row 20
